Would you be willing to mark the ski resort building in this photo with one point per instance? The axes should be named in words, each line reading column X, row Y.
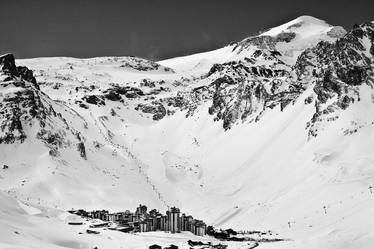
column 174, row 220
column 142, row 221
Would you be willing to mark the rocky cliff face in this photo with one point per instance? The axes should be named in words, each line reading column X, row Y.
column 337, row 71
column 242, row 90
column 27, row 113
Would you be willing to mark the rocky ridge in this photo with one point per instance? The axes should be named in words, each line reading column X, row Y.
column 27, row 113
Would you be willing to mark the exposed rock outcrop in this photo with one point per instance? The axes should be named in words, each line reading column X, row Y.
column 26, row 112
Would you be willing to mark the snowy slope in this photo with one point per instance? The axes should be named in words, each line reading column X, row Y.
column 273, row 132
column 201, row 61
column 24, row 225
column 68, row 149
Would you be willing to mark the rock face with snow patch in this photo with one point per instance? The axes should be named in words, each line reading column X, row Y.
column 338, row 70
column 246, row 88
column 26, row 112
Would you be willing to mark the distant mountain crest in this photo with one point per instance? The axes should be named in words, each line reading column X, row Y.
column 290, row 39
column 298, row 24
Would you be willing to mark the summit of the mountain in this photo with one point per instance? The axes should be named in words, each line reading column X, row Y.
column 293, row 37
column 289, row 39
column 300, row 24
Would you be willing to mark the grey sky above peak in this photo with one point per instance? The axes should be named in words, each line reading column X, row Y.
column 153, row 29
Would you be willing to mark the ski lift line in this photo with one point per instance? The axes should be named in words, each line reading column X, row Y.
column 353, row 209
column 139, row 164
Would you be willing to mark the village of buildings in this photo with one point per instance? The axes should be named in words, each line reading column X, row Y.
column 143, row 221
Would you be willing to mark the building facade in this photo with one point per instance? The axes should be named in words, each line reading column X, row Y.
column 142, row 221
column 174, row 220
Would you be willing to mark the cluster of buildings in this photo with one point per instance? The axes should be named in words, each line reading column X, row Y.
column 143, row 221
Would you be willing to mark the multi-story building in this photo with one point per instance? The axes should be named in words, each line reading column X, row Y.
column 141, row 221
column 111, row 217
column 163, row 223
column 188, row 223
column 182, row 222
column 174, row 220
column 143, row 227
column 156, row 222
column 150, row 225
column 200, row 228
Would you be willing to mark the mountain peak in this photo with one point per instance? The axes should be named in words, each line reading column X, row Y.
column 310, row 19
column 299, row 25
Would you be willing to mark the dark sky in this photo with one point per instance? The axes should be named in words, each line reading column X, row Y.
column 154, row 29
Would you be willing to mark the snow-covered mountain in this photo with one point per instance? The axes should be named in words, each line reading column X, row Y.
column 290, row 39
column 271, row 132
